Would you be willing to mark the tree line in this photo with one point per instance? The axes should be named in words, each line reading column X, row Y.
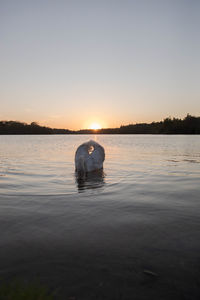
column 16, row 127
column 188, row 125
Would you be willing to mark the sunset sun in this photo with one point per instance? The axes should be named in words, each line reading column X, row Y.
column 95, row 126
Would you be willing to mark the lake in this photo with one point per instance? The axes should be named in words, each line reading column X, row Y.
column 132, row 232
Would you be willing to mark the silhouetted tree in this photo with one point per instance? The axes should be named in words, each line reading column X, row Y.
column 189, row 125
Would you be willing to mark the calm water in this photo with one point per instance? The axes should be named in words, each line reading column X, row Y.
column 133, row 230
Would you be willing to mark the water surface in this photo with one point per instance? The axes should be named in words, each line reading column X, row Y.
column 132, row 230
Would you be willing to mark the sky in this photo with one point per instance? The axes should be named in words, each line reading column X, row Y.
column 67, row 64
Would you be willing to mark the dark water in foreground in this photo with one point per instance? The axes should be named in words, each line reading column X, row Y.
column 132, row 232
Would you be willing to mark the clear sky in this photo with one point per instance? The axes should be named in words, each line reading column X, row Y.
column 67, row 64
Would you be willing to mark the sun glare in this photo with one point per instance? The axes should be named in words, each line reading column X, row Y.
column 95, row 126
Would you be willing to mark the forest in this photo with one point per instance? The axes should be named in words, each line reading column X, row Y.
column 188, row 125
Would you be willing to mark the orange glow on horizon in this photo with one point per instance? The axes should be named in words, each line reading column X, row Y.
column 95, row 126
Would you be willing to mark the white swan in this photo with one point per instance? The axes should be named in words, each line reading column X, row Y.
column 89, row 157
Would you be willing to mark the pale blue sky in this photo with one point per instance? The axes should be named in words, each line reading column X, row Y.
column 70, row 63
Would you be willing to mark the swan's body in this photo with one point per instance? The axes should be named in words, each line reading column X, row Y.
column 89, row 157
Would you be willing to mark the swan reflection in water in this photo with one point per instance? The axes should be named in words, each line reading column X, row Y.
column 91, row 180
column 89, row 160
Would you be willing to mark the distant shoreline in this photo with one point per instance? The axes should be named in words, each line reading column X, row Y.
column 188, row 125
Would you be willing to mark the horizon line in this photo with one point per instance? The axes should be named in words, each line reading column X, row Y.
column 35, row 123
